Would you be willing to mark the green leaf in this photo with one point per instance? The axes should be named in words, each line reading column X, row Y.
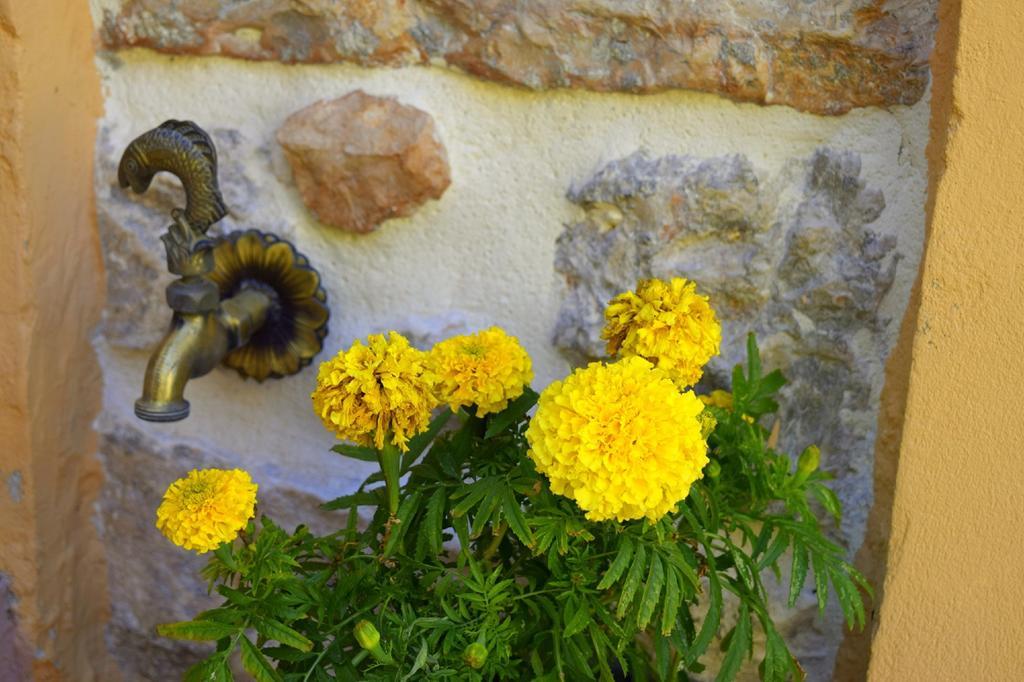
column 226, row 557
column 235, row 596
column 272, row 629
column 418, row 443
column 742, row 564
column 470, row 496
column 632, row 581
column 798, row 572
column 197, row 630
column 753, row 358
column 652, row 591
column 672, row 603
column 575, row 620
column 777, row 665
column 828, row 500
column 739, row 646
column 363, row 454
column 432, row 522
column 225, row 615
column 711, row 619
column 513, row 413
column 820, row 581
column 421, row 660
column 772, row 382
column 775, row 550
column 357, row 499
column 618, row 565
column 256, row 664
column 406, row 510
column 213, row 669
column 513, row 513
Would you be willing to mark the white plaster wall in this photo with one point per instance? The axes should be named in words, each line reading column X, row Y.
column 483, row 252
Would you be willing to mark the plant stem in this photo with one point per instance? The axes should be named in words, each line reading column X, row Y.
column 495, row 542
column 390, row 462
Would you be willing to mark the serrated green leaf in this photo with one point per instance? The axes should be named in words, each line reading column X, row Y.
column 223, row 615
column 772, row 382
column 226, row 556
column 741, row 562
column 739, row 646
column 514, row 412
column 753, row 358
column 828, row 500
column 798, row 572
column 820, row 581
column 652, row 592
column 513, row 513
column 357, row 499
column 576, row 616
column 214, row 669
column 618, row 565
column 711, row 619
column 673, row 601
column 418, row 443
column 279, row 632
column 485, row 512
column 256, row 664
column 197, row 630
column 777, row 665
column 421, row 660
column 469, row 497
column 406, row 510
column 775, row 550
column 433, row 520
column 286, row 653
column 629, row 587
column 363, row 454
column 234, row 596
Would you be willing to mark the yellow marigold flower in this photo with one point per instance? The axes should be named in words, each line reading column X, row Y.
column 667, row 323
column 718, row 398
column 207, row 508
column 620, row 439
column 486, row 369
column 371, row 392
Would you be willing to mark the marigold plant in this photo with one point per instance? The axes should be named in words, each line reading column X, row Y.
column 486, row 370
column 376, row 393
column 667, row 323
column 596, row 538
column 207, row 508
column 620, row 439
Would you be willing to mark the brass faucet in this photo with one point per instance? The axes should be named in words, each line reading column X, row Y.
column 248, row 300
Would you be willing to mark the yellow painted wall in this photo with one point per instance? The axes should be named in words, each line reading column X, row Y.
column 51, row 294
column 953, row 606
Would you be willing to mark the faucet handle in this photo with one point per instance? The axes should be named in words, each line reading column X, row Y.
column 296, row 321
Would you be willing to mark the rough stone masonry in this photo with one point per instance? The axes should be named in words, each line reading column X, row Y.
column 817, row 56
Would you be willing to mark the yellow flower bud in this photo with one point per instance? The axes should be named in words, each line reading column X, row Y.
column 707, row 424
column 367, row 635
column 808, row 462
column 713, row 469
column 475, row 655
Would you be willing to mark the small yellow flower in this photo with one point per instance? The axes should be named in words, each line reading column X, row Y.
column 372, row 391
column 620, row 439
column 667, row 323
column 486, row 369
column 718, row 398
column 207, row 508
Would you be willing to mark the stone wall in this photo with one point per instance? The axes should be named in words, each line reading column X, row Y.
column 806, row 228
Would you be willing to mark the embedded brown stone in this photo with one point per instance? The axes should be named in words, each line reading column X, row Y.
column 360, row 160
column 807, row 54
